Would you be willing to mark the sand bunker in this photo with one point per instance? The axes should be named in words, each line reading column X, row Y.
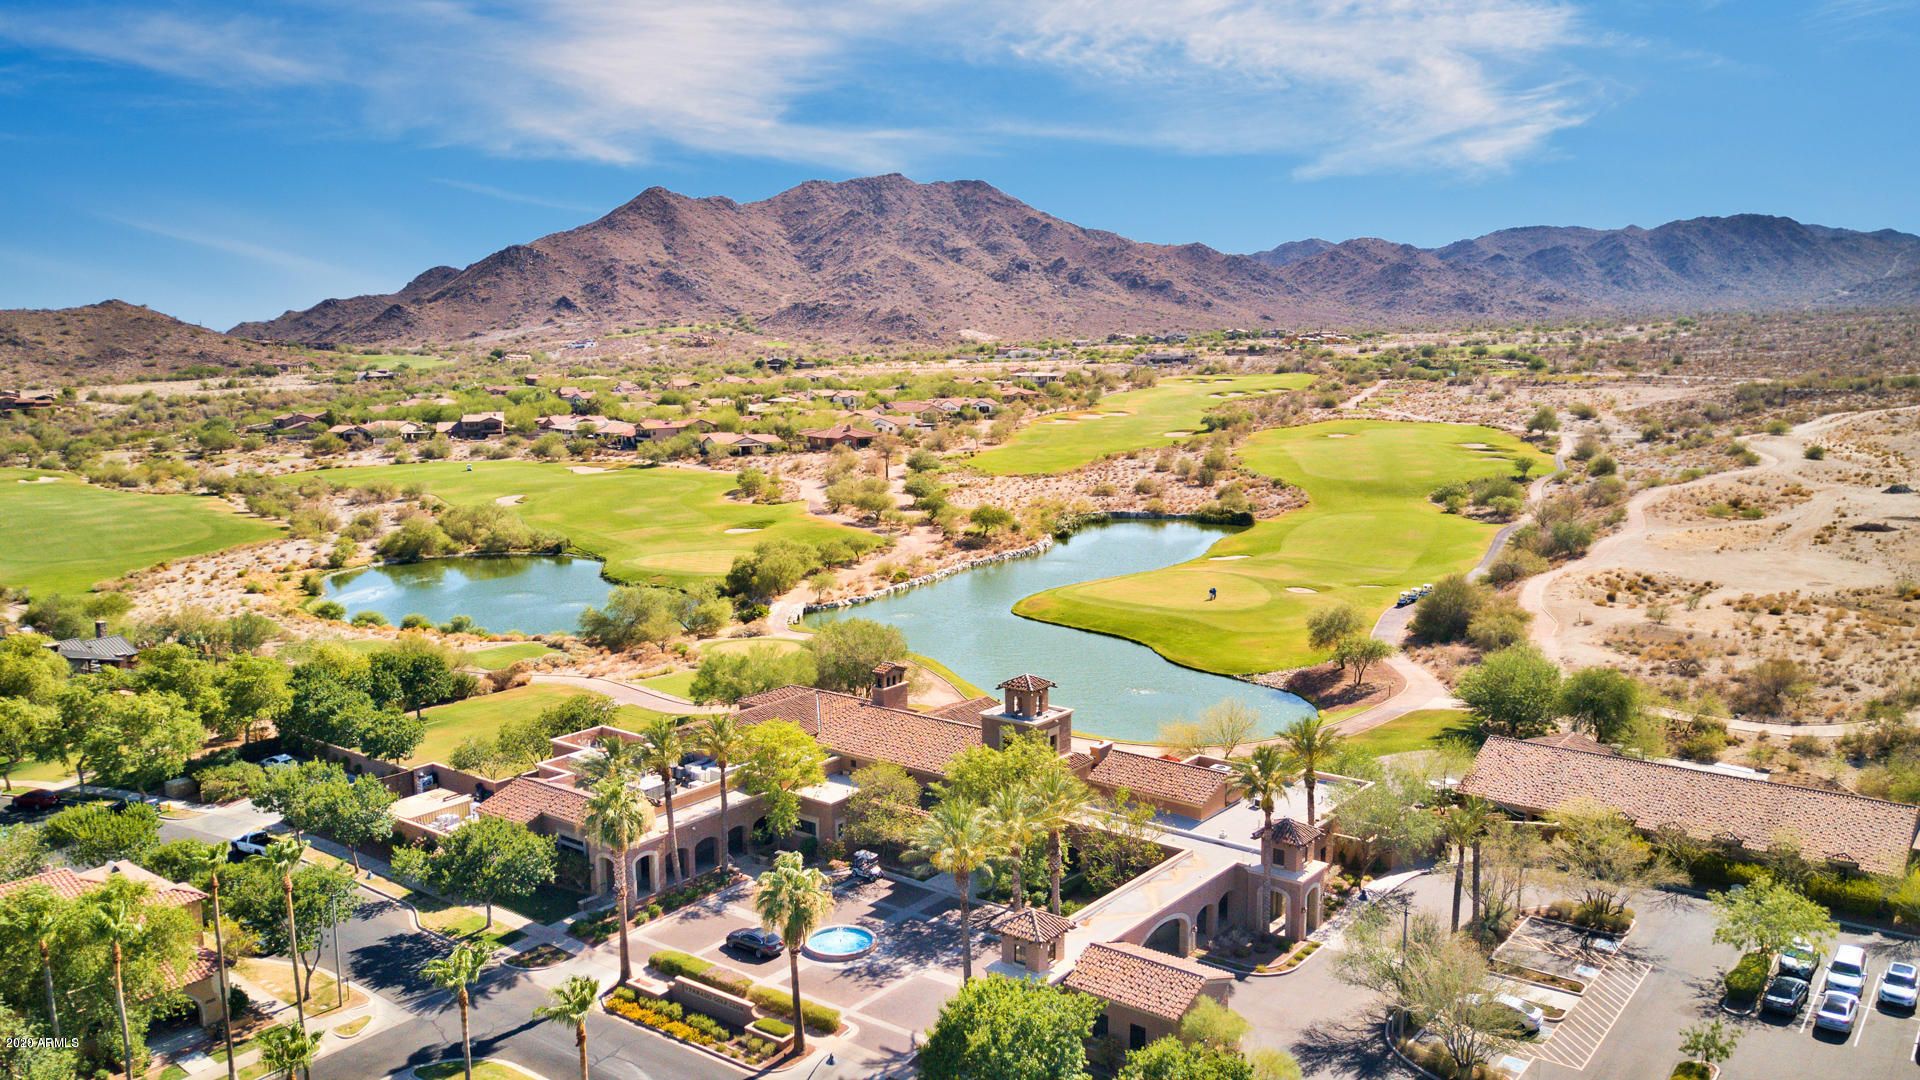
column 737, row 532
column 1339, row 434
column 584, row 470
column 1302, row 590
column 1176, row 434
column 41, row 480
column 1476, row 446
column 1225, row 558
column 508, row 500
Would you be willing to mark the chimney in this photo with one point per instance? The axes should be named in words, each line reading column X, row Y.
column 99, row 628
column 889, row 686
column 1101, row 750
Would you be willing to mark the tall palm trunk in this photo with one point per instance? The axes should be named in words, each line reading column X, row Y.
column 120, row 1005
column 1265, row 892
column 1055, row 859
column 1307, row 778
column 799, row 1020
column 46, row 971
column 293, row 955
column 674, row 864
column 726, row 857
column 1019, row 879
column 220, row 946
column 1459, row 871
column 466, row 1036
column 965, row 884
column 1476, row 882
column 580, row 1040
column 623, row 911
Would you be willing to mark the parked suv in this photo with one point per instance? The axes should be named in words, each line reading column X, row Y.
column 1848, row 972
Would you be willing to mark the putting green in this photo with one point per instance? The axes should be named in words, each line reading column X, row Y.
column 1130, row 420
column 63, row 535
column 1367, row 532
column 666, row 526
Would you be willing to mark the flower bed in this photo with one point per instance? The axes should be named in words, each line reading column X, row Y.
column 672, row 1019
column 538, row 957
column 1527, row 974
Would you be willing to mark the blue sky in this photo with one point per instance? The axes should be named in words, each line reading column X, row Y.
column 228, row 161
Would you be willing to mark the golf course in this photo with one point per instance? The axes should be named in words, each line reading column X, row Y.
column 663, row 526
column 64, row 535
column 1130, row 420
column 1367, row 532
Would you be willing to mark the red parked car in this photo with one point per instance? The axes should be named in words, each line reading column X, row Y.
column 36, row 799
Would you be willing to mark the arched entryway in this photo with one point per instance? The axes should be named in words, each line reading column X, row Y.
column 643, row 875
column 1279, row 911
column 706, row 855
column 737, row 840
column 1173, row 937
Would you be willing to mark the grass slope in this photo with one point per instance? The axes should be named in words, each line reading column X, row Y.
column 1127, row 421
column 66, row 536
column 1367, row 532
column 450, row 725
column 666, row 526
column 1422, row 729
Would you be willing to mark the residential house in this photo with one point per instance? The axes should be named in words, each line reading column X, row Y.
column 617, row 434
column 839, row 435
column 374, row 375
column 881, row 422
column 666, row 430
column 961, row 406
column 374, row 430
column 846, row 399
column 1147, row 991
column 723, row 443
column 23, row 400
column 1166, row 356
column 102, row 650
column 482, row 425
column 294, row 425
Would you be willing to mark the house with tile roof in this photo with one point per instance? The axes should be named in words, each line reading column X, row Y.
column 1147, row 991
column 102, row 650
column 1749, row 813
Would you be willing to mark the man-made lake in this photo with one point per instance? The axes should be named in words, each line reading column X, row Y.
column 1116, row 688
column 533, row 594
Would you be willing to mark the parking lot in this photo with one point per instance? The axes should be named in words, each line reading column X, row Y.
column 888, row 995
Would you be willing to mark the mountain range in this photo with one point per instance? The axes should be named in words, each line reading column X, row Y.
column 886, row 259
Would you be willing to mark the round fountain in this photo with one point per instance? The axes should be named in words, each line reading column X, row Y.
column 838, row 943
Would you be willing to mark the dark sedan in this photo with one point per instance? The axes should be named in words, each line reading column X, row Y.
column 761, row 943
column 1785, row 994
column 35, row 799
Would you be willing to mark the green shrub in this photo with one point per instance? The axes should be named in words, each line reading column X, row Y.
column 820, row 1019
column 1748, row 977
column 670, row 962
column 1849, row 895
column 225, row 783
column 779, row 1029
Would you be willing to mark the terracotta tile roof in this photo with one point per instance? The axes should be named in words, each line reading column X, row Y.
column 1292, row 833
column 65, row 884
column 70, row 885
column 524, row 798
column 1140, row 978
column 1031, row 924
column 1872, row 833
column 966, row 712
column 854, row 726
column 1572, row 740
column 1026, row 682
column 1157, row 779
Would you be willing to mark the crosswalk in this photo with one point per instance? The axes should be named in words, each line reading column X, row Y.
column 1575, row 1039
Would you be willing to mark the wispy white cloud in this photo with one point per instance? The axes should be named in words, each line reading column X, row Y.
column 502, row 194
column 1345, row 85
column 238, row 247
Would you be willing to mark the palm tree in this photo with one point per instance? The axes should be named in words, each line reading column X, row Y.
column 1465, row 825
column 284, row 1050
column 33, row 914
column 957, row 840
column 617, row 815
column 1011, row 813
column 1263, row 775
column 1309, row 744
column 661, row 746
column 1059, row 798
column 210, row 860
column 122, row 922
column 456, row 971
column 572, row 1002
column 622, row 759
column 793, row 899
column 283, row 854
column 721, row 738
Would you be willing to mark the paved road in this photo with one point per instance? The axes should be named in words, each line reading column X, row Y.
column 384, row 953
column 629, row 694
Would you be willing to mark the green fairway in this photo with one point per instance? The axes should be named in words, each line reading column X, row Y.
column 450, row 725
column 1424, row 729
column 666, row 526
column 1367, row 532
column 65, row 535
column 395, row 362
column 677, row 683
column 1125, row 421
column 495, row 657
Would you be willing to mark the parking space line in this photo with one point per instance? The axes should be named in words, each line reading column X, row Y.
column 1865, row 1011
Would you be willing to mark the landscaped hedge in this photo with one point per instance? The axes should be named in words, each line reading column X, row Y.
column 820, row 1019
column 1862, row 896
column 687, row 1024
column 779, row 1029
column 226, row 783
column 1748, row 977
column 671, row 962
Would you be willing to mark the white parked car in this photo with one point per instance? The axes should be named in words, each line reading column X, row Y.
column 1837, row 1011
column 276, row 761
column 1901, row 986
column 254, row 843
column 1848, row 971
column 1529, row 1015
